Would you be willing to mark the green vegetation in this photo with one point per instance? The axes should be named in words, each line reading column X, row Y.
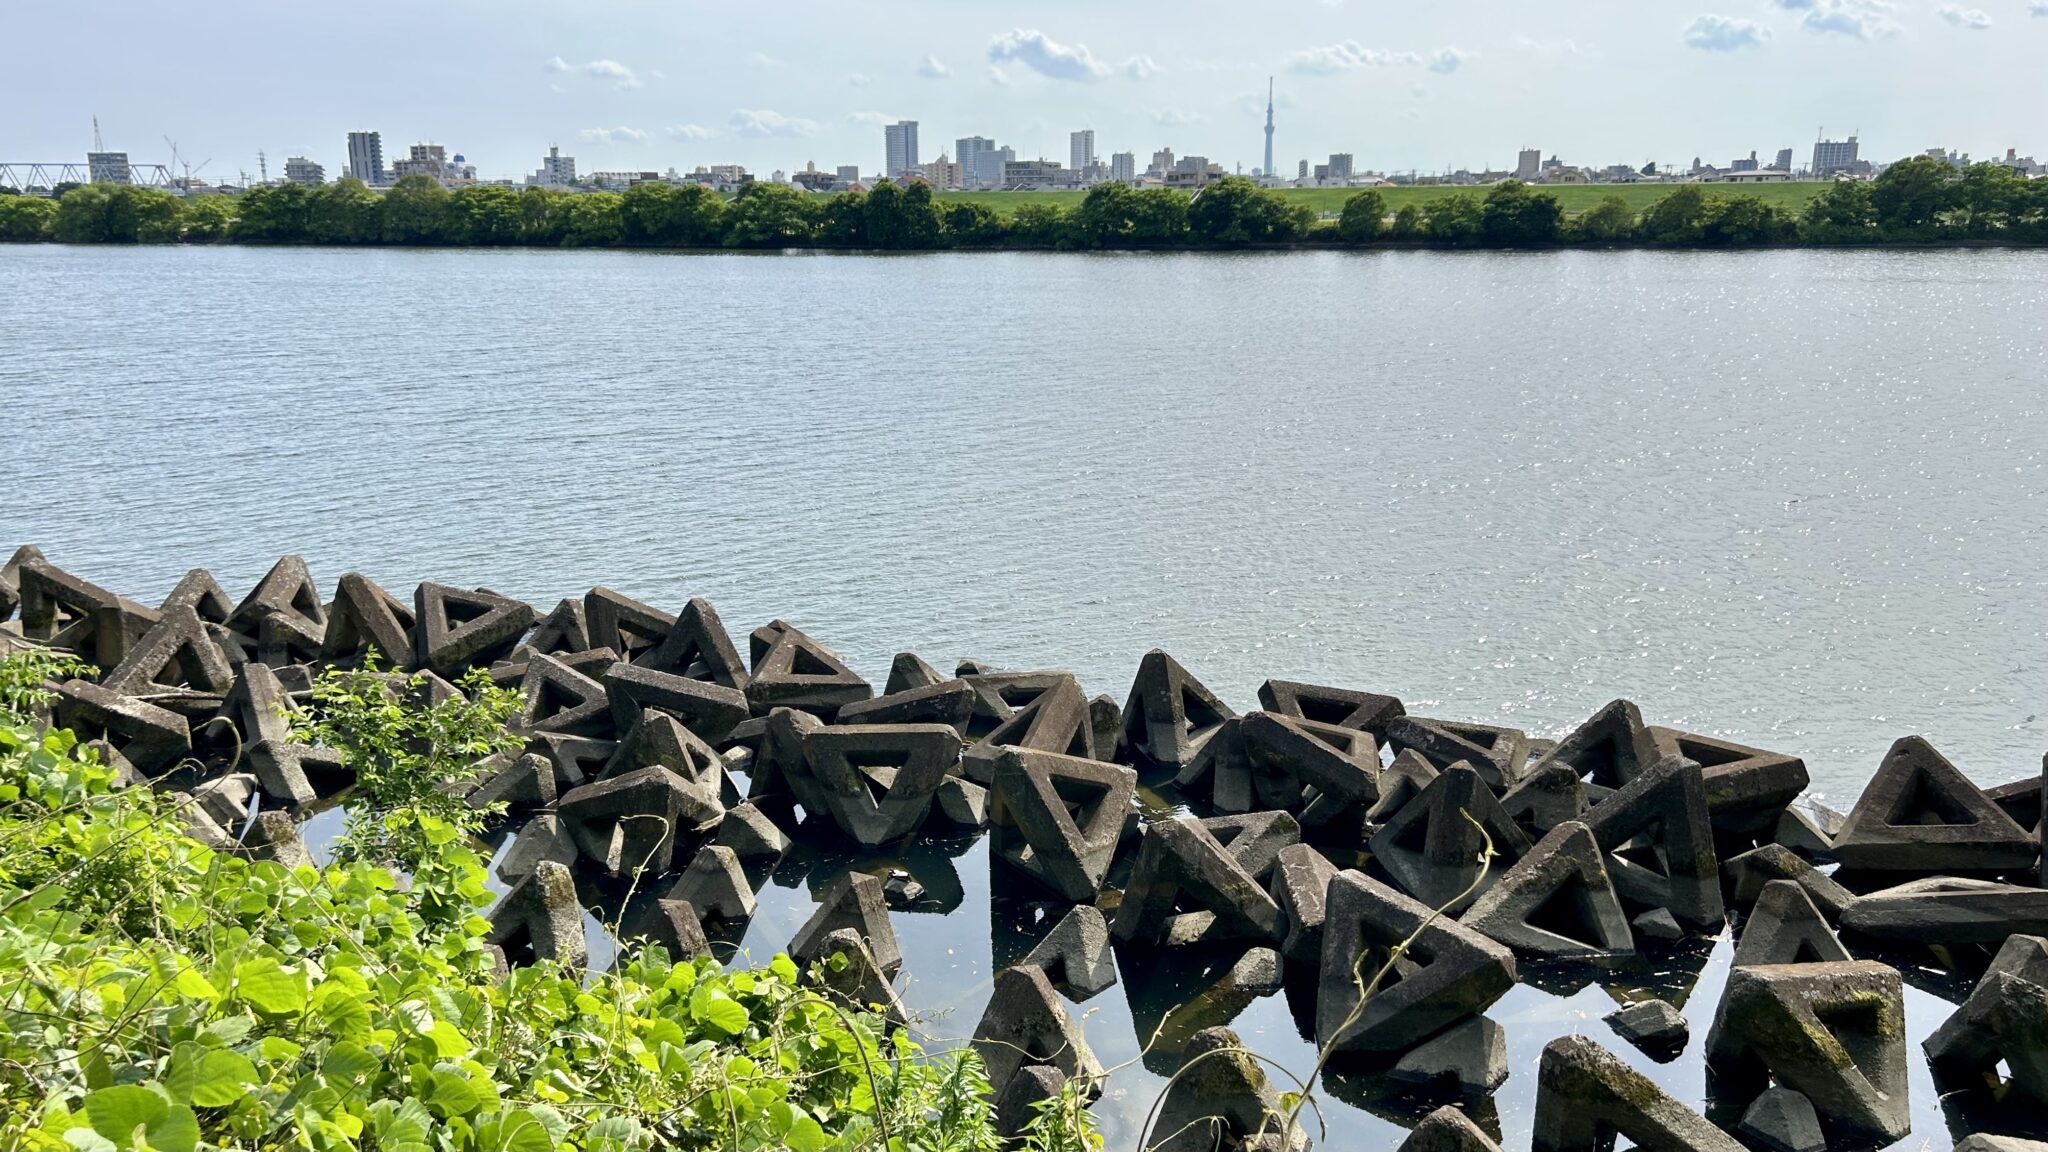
column 162, row 997
column 1916, row 201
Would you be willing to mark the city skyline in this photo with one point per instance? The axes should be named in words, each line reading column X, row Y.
column 631, row 87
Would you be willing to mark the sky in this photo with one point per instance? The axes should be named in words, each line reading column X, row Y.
column 649, row 84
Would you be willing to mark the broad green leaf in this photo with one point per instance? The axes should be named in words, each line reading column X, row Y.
column 401, row 1127
column 726, row 1015
column 784, row 967
column 194, row 986
column 224, row 1077
column 270, row 989
column 451, row 1094
column 805, row 1136
column 118, row 1111
column 615, row 1134
column 177, row 1131
column 349, row 1064
column 514, row 1131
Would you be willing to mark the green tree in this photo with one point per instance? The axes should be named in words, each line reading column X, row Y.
column 1234, row 211
column 967, row 224
column 484, row 215
column 1364, row 217
column 26, row 217
column 596, row 220
column 345, row 212
column 844, row 222
column 902, row 217
column 208, row 219
column 672, row 216
column 1842, row 214
column 1516, row 215
column 281, row 213
column 116, row 214
column 1408, row 223
column 1990, row 198
column 416, row 211
column 1745, row 221
column 1678, row 217
column 1456, row 220
column 1611, row 221
column 1038, row 224
column 1120, row 216
column 1911, row 196
column 544, row 215
column 766, row 215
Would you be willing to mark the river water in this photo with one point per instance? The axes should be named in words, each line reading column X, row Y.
column 1797, row 499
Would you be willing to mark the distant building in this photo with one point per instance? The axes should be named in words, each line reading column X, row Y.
column 1784, row 159
column 942, row 174
column 1340, row 167
column 1832, row 158
column 968, row 152
column 1023, row 174
column 620, row 181
column 1162, row 163
column 1193, row 172
column 556, row 170
column 1303, row 173
column 1528, row 162
column 1123, row 167
column 1741, row 165
column 1748, row 176
column 848, row 174
column 1081, row 149
column 899, row 142
column 109, row 168
column 299, row 170
column 366, row 158
column 433, row 160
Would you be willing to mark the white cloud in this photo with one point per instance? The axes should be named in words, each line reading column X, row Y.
column 1851, row 19
column 688, row 132
column 1346, row 55
column 621, row 76
column 1046, row 56
column 555, row 64
column 758, row 123
column 875, row 118
column 657, row 74
column 620, row 135
column 933, row 69
column 857, row 80
column 1173, row 118
column 763, row 60
column 2038, row 8
column 1145, row 68
column 1445, row 61
column 1001, row 79
column 1710, row 33
column 1975, row 19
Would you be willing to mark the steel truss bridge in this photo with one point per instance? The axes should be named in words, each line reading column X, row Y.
column 37, row 179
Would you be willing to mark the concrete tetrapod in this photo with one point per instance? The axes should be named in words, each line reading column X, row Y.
column 1607, row 751
column 1746, row 787
column 1498, row 754
column 1301, row 876
column 558, row 700
column 1075, row 955
column 1835, row 1032
column 1470, row 1058
column 631, row 823
column 1220, row 1099
column 1169, row 714
column 1054, row 720
column 1750, row 872
column 949, row 702
column 1364, row 711
column 1653, row 1026
column 1186, row 886
column 878, row 779
column 1919, row 814
column 848, row 969
column 178, row 653
column 2004, row 1019
column 1025, row 1024
column 857, row 902
column 715, row 886
column 560, row 631
column 1432, row 847
column 1948, row 910
column 791, row 670
column 697, row 647
column 1450, row 972
column 365, row 617
column 1448, row 1130
column 540, row 919
column 1785, row 928
column 709, row 710
column 623, row 624
column 1659, row 842
column 458, row 630
column 1308, row 767
column 1058, row 818
column 1585, row 1096
column 1555, row 901
column 1781, row 1120
column 284, row 614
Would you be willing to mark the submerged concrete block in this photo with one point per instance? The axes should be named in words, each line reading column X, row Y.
column 1660, row 843
column 630, row 823
column 2005, row 1019
column 1025, row 1024
column 697, row 647
column 961, row 803
column 1919, row 814
column 1169, row 714
column 1555, row 901
column 1106, row 722
column 855, row 902
column 1785, row 928
column 1835, row 1032
column 1018, row 1104
column 1750, row 871
column 457, row 630
column 365, row 617
column 274, row 836
column 1075, row 955
column 847, row 969
column 716, row 886
column 1782, row 1120
column 1948, row 911
column 751, row 834
column 227, row 799
column 1497, row 754
column 1469, row 1058
column 540, row 919
column 1585, row 1096
column 878, row 780
column 542, row 838
column 1448, row 973
column 1448, row 1130
column 1433, row 847
column 1221, row 1098
column 794, row 671
column 1186, row 886
column 1058, row 818
column 1653, row 1026
column 673, row 924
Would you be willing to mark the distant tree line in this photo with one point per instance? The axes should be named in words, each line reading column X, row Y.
column 1921, row 200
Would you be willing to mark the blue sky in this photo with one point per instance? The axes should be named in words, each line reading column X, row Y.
column 646, row 84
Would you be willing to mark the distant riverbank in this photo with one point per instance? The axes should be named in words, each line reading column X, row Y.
column 1918, row 202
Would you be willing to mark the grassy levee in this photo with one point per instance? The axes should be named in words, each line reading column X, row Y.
column 1575, row 198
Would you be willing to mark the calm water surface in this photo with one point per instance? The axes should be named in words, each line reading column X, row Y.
column 1796, row 499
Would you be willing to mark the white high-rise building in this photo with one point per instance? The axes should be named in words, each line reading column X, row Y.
column 968, row 150
column 1081, row 149
column 299, row 170
column 109, row 168
column 556, row 170
column 1123, row 167
column 366, row 157
column 900, row 141
column 1528, row 163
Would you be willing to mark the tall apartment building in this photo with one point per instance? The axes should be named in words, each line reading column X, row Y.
column 1831, row 157
column 967, row 150
column 1162, row 163
column 1081, row 149
column 556, row 170
column 900, row 145
column 366, row 158
column 1528, row 162
column 1784, row 161
column 299, row 170
column 1340, row 166
column 847, row 174
column 942, row 174
column 1123, row 167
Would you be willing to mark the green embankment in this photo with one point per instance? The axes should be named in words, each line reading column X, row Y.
column 1575, row 198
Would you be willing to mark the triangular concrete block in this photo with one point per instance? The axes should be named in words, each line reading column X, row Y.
column 1301, row 877
column 559, row 700
column 542, row 838
column 1025, row 1024
column 1834, row 1032
column 623, row 624
column 365, row 617
column 1364, row 711
column 1255, row 839
column 540, row 919
column 847, row 969
column 1608, row 750
column 1555, row 901
column 698, row 647
column 1220, row 771
column 1448, row 1130
column 458, row 630
column 879, row 779
column 1785, row 928
column 284, row 613
column 1498, row 754
column 1055, row 719
column 176, row 654
column 949, row 702
column 716, row 886
column 1222, row 1099
column 1919, row 814
column 1169, row 714
column 1432, row 848
column 856, row 901
column 657, row 738
column 710, row 710
column 907, row 671
column 577, row 759
column 1660, row 843
column 1058, row 818
column 1186, row 887
column 1338, row 768
column 527, row 782
column 2002, row 1022
column 1749, row 872
column 1447, row 973
column 673, row 924
column 1400, row 783
column 749, row 832
column 795, row 671
column 1948, row 911
column 1586, row 1097
column 1075, row 955
column 151, row 739
column 561, row 631
column 64, row 611
column 1549, row 795
column 630, row 823
column 1781, row 1120
column 1746, row 787
column 1469, row 1058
